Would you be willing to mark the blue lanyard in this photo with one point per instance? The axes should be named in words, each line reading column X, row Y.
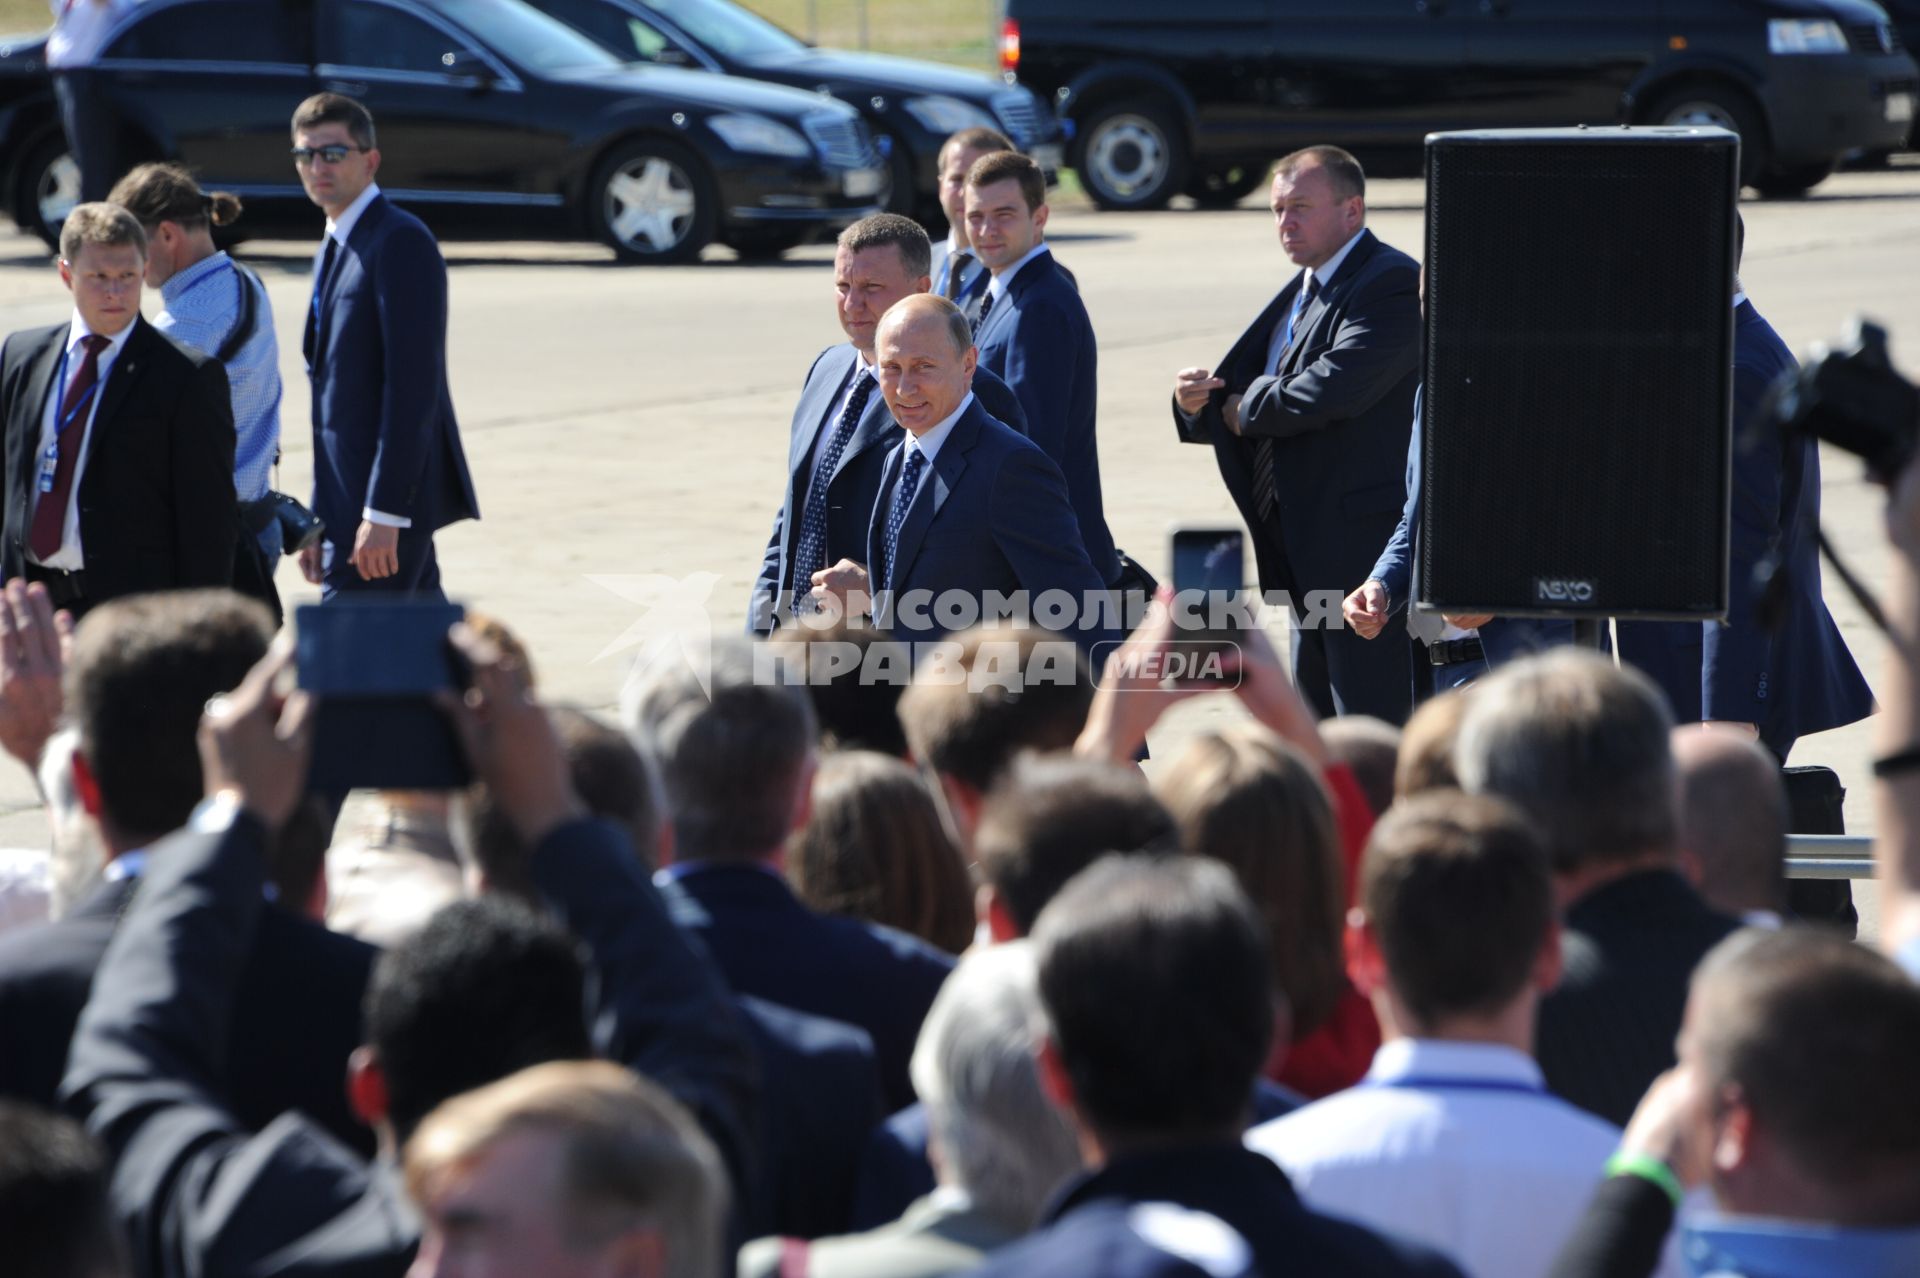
column 61, row 423
column 1417, row 1084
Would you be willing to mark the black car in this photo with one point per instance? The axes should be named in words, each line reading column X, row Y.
column 493, row 119
column 1202, row 96
column 1905, row 15
column 911, row 106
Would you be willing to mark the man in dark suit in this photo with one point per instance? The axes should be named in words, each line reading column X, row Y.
column 113, row 436
column 1033, row 332
column 735, row 747
column 1583, row 748
column 958, row 274
column 1781, row 671
column 1160, row 1010
column 387, row 457
column 1308, row 417
column 969, row 511
column 841, row 429
column 140, row 671
column 452, row 1008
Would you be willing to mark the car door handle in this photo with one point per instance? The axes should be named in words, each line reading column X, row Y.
column 352, row 88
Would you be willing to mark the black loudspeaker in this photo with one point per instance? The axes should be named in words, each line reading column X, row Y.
column 1578, row 375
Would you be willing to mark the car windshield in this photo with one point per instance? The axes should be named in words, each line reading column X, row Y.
column 726, row 28
column 526, row 35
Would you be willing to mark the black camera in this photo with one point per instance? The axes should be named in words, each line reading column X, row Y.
column 1854, row 399
column 299, row 527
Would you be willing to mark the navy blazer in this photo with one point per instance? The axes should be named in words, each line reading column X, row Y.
column 1039, row 340
column 771, row 946
column 157, row 510
column 1798, row 678
column 1502, row 638
column 1338, row 413
column 384, row 434
column 991, row 514
column 973, row 282
column 820, row 1094
column 1197, row 1199
column 855, row 481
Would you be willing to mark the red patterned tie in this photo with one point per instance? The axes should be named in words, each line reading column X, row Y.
column 50, row 515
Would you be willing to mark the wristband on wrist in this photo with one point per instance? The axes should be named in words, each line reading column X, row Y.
column 1892, row 765
column 1648, row 1169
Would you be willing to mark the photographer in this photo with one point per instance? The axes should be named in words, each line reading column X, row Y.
column 219, row 308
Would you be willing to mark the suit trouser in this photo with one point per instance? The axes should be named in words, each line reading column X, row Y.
column 1336, row 670
column 91, row 131
column 418, row 578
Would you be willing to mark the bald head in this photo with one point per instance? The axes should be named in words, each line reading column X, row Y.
column 1733, row 818
column 925, row 359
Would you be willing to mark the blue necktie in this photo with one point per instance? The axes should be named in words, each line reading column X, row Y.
column 811, row 556
column 320, row 278
column 1307, row 294
column 986, row 309
column 902, row 500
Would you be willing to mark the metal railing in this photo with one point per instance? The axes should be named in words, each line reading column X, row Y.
column 1829, row 856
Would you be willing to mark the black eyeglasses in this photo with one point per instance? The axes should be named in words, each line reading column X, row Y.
column 329, row 154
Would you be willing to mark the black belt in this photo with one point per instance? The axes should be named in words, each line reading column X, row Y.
column 63, row 587
column 1453, row 652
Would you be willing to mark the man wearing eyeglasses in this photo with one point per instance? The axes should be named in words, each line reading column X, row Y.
column 388, row 469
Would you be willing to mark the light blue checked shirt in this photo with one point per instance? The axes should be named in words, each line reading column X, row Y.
column 202, row 305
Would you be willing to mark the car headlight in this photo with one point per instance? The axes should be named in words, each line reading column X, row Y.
column 760, row 135
column 1796, row 35
column 947, row 115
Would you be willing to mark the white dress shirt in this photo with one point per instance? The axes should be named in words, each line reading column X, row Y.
column 69, row 557
column 1455, row 1145
column 338, row 229
column 997, row 285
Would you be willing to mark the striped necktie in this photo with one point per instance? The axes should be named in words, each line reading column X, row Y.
column 1266, row 489
column 902, row 502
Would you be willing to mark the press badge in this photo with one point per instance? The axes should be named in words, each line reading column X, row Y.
column 49, row 464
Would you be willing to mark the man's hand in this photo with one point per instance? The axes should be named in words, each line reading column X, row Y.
column 510, row 741
column 845, row 584
column 1192, row 387
column 255, row 742
column 376, row 550
column 312, row 563
column 1230, row 413
column 1365, row 610
column 34, row 641
column 1671, row 1125
column 1466, row 620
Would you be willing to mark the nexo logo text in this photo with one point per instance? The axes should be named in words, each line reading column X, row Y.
column 1562, row 590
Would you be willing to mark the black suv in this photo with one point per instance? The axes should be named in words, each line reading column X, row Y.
column 1202, row 96
column 493, row 119
column 911, row 106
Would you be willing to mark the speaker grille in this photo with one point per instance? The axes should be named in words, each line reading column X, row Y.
column 1578, row 372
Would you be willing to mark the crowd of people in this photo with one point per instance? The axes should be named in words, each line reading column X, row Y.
column 862, row 977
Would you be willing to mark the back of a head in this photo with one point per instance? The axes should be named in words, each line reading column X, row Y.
column 874, row 848
column 1007, row 689
column 54, row 1218
column 1425, row 760
column 156, row 193
column 1733, row 819
column 630, row 1159
column 1818, row 1035
column 1051, row 817
column 1371, row 748
column 997, row 1137
column 1458, row 895
column 1155, row 980
column 730, row 755
column 1581, row 747
column 141, row 673
column 850, row 677
column 1243, row 796
column 486, row 988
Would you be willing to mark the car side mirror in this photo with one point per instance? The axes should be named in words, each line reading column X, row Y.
column 467, row 64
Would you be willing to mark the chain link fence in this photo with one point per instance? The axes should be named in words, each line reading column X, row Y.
column 963, row 32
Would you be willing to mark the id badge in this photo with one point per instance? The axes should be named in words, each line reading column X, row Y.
column 49, row 465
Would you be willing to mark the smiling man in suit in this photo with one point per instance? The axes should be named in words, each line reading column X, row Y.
column 115, row 436
column 386, row 448
column 969, row 509
column 1034, row 333
column 1309, row 416
column 841, row 429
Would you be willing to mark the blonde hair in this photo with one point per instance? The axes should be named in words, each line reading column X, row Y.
column 1243, row 796
column 631, row 1158
column 1426, row 747
column 100, row 223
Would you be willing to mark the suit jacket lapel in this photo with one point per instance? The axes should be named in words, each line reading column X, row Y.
column 120, row 379
column 876, row 429
column 348, row 256
column 31, row 412
column 817, row 403
column 935, row 488
column 1304, row 337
